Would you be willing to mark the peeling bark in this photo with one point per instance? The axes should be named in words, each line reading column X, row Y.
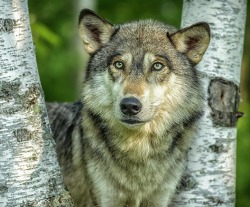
column 223, row 100
column 210, row 174
column 29, row 172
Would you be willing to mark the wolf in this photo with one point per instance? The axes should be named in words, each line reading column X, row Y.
column 124, row 144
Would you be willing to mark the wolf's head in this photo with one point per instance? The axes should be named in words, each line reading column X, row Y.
column 142, row 74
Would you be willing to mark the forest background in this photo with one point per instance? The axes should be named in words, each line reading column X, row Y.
column 61, row 59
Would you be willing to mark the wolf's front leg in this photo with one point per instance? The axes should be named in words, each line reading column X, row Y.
column 117, row 199
column 162, row 198
column 111, row 194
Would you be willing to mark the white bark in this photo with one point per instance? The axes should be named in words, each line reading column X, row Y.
column 210, row 179
column 29, row 172
column 90, row 4
column 83, row 59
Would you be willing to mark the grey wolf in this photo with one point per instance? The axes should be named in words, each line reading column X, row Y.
column 125, row 142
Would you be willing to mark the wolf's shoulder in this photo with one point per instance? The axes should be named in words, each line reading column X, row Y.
column 64, row 117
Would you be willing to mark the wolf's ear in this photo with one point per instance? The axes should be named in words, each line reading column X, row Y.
column 93, row 30
column 192, row 41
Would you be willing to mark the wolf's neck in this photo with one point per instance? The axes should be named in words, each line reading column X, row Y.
column 136, row 144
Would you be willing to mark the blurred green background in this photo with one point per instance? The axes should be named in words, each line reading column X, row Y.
column 61, row 59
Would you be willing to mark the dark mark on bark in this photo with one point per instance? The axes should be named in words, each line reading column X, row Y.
column 22, row 135
column 216, row 201
column 22, row 100
column 187, row 183
column 52, row 185
column 9, row 90
column 223, row 99
column 3, row 188
column 30, row 96
column 217, row 148
column 7, row 25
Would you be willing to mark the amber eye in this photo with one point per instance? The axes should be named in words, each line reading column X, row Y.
column 157, row 66
column 119, row 65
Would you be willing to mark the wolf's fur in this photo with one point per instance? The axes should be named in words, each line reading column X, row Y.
column 125, row 143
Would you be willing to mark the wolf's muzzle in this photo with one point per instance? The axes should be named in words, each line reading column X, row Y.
column 130, row 106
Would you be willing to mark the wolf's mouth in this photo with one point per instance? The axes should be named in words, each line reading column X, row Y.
column 132, row 121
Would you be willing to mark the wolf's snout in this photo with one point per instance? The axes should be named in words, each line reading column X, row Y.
column 130, row 106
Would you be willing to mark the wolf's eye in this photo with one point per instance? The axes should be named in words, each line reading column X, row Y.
column 157, row 66
column 119, row 65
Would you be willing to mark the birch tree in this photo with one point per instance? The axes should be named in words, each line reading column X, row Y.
column 29, row 172
column 210, row 177
column 83, row 55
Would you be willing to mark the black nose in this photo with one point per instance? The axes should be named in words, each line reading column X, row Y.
column 130, row 106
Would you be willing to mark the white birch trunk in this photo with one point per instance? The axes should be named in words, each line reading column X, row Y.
column 29, row 172
column 210, row 179
column 83, row 58
column 90, row 4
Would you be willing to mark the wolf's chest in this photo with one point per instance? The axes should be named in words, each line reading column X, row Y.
column 143, row 177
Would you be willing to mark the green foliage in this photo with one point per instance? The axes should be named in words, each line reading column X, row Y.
column 54, row 27
column 128, row 10
column 243, row 155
